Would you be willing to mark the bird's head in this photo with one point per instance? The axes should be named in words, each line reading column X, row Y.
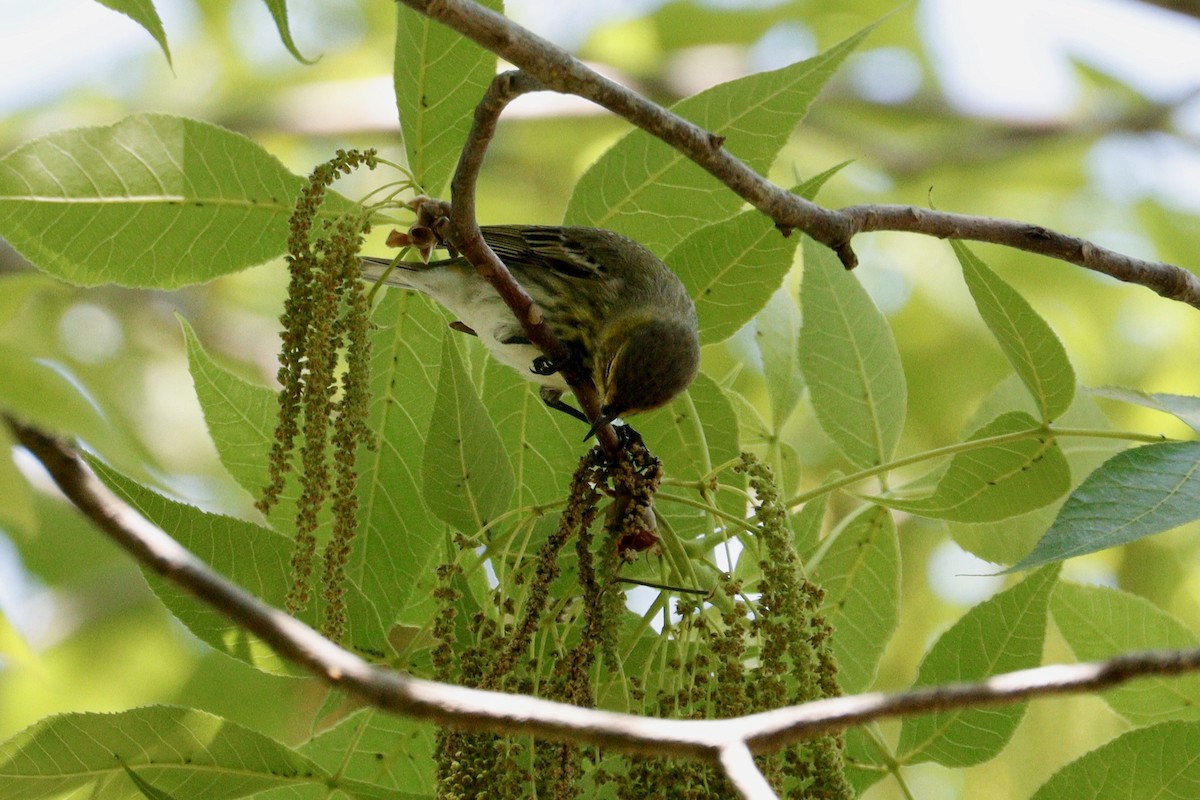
column 642, row 362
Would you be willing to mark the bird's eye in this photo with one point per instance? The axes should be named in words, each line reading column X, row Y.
column 612, row 363
column 608, row 368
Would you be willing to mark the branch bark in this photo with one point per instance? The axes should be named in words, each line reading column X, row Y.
column 558, row 71
column 465, row 235
column 728, row 743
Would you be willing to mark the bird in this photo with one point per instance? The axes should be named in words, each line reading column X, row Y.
column 622, row 315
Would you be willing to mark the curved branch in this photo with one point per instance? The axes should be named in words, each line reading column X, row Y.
column 727, row 742
column 465, row 235
column 559, row 71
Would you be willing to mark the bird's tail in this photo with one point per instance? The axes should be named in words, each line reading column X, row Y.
column 401, row 275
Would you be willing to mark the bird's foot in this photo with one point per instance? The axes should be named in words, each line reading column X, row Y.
column 553, row 399
column 627, row 436
column 544, row 365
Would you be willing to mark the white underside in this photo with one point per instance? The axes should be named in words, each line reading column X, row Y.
column 476, row 304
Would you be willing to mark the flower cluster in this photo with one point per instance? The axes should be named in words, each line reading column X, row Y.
column 326, row 314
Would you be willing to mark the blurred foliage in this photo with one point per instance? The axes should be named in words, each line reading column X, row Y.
column 81, row 630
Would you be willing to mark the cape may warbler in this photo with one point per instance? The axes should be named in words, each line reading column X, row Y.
column 617, row 309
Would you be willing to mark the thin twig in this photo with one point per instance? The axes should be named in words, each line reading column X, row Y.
column 716, row 741
column 464, row 234
column 559, row 71
column 1165, row 279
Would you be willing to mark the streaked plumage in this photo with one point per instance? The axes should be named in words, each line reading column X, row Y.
column 612, row 303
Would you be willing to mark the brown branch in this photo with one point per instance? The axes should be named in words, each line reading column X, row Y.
column 557, row 70
column 465, row 235
column 1165, row 279
column 771, row 730
column 727, row 742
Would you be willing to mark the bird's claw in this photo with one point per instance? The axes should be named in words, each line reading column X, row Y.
column 553, row 399
column 627, row 436
column 544, row 365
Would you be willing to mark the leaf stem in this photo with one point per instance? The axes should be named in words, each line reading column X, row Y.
column 967, row 446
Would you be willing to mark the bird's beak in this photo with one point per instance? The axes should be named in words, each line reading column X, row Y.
column 599, row 423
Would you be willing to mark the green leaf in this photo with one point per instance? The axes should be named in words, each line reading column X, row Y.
column 241, row 421
column 16, row 512
column 850, row 362
column 731, row 268
column 381, row 749
column 543, row 445
column 999, row 635
column 466, row 475
column 1146, row 764
column 440, row 76
column 811, row 187
column 23, row 295
column 860, row 573
column 865, row 764
column 145, row 788
column 1100, row 623
column 808, row 523
column 278, row 9
column 398, row 539
column 694, row 433
column 777, row 334
column 1185, row 407
column 651, row 192
column 1136, row 493
column 1026, row 339
column 48, row 395
column 1006, row 541
column 998, row 480
column 152, row 201
column 181, row 752
column 255, row 558
column 145, row 14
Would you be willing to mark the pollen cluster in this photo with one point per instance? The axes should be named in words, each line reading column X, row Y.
column 325, row 323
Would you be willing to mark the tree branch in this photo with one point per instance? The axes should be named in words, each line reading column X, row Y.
column 465, row 235
column 728, row 742
column 743, row 773
column 557, row 70
column 1165, row 279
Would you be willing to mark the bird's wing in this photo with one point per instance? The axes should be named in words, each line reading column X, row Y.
column 521, row 247
column 552, row 248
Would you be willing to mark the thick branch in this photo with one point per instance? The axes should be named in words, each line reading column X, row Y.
column 743, row 773
column 725, row 742
column 559, row 71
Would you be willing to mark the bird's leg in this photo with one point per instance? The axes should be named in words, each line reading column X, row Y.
column 553, row 399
